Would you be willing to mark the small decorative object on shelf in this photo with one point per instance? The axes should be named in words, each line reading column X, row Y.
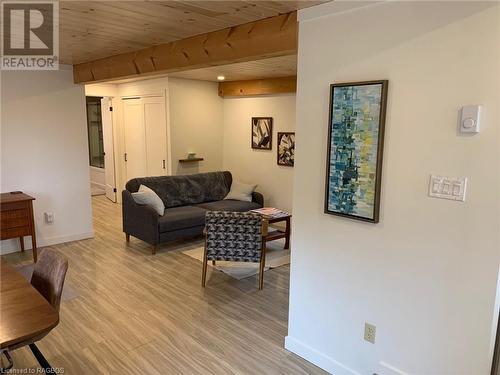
column 188, row 160
column 191, row 155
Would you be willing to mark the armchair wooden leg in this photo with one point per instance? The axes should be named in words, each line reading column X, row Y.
column 127, row 237
column 204, row 270
column 262, row 265
column 213, row 262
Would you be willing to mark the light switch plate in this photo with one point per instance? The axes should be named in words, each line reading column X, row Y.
column 453, row 188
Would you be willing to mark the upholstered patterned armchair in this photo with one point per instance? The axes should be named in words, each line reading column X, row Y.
column 234, row 237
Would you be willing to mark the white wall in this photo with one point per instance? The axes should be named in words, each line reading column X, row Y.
column 218, row 130
column 101, row 89
column 259, row 166
column 196, row 124
column 194, row 116
column 426, row 275
column 45, row 151
column 116, row 91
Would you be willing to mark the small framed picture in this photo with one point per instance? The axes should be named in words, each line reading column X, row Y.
column 262, row 133
column 286, row 149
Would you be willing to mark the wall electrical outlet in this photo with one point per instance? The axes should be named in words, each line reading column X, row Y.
column 370, row 331
column 49, row 217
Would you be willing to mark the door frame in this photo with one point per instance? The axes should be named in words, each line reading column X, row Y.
column 108, row 111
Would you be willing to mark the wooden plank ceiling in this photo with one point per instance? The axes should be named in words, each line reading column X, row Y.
column 269, row 37
column 91, row 30
column 283, row 66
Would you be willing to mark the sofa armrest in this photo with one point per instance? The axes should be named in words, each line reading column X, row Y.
column 139, row 220
column 258, row 198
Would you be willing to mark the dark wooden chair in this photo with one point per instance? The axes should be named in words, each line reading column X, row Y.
column 49, row 274
column 235, row 237
column 48, row 278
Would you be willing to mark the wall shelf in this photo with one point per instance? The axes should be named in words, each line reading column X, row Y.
column 190, row 160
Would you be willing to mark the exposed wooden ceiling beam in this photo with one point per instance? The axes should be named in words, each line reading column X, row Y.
column 258, row 87
column 274, row 36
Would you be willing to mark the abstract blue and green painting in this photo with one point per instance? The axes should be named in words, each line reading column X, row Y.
column 355, row 126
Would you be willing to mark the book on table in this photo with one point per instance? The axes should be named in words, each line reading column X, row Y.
column 271, row 212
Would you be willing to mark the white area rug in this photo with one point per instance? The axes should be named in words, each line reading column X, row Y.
column 276, row 256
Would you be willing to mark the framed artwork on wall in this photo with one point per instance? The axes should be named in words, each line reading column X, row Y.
column 286, row 149
column 262, row 133
column 355, row 149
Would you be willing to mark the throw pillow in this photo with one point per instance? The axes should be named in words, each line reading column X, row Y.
column 241, row 192
column 148, row 197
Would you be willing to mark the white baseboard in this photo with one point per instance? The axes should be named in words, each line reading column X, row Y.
column 315, row 357
column 12, row 246
column 387, row 369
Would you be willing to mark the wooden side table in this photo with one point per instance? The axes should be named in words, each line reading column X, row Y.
column 277, row 234
column 16, row 218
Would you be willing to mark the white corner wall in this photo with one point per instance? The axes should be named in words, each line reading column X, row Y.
column 44, row 152
column 426, row 275
column 101, row 89
column 259, row 166
column 195, row 112
column 217, row 129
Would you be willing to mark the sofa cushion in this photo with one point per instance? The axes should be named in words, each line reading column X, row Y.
column 180, row 218
column 177, row 191
column 240, row 191
column 229, row 205
column 148, row 197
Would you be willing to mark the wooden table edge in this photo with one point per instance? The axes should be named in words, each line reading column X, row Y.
column 50, row 327
column 35, row 333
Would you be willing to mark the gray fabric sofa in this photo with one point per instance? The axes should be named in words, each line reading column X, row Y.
column 186, row 198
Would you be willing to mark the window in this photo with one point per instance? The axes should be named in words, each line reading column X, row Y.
column 94, row 127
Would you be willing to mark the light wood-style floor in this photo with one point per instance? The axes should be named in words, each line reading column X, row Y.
column 138, row 313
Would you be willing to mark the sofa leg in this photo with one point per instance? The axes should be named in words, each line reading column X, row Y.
column 153, row 250
column 213, row 262
column 127, row 237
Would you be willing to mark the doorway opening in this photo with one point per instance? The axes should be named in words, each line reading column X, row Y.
column 101, row 151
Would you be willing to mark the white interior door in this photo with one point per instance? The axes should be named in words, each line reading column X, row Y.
column 135, row 138
column 109, row 154
column 156, row 135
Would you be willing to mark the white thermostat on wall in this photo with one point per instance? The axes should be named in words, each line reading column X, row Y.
column 469, row 118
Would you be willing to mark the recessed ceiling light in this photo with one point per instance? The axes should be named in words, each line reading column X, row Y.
column 221, row 78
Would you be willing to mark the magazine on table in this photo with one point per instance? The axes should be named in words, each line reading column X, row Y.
column 271, row 212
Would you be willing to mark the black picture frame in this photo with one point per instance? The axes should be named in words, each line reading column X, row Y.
column 374, row 218
column 262, row 127
column 289, row 159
